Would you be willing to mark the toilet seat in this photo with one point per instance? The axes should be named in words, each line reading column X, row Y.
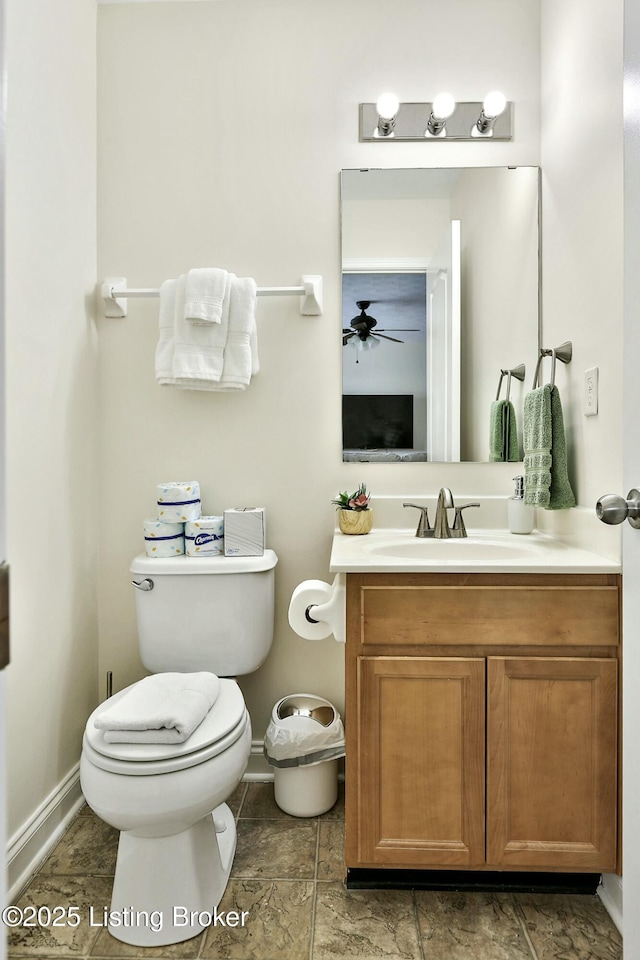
column 220, row 729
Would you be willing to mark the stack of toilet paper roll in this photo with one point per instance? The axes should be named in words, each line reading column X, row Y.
column 180, row 526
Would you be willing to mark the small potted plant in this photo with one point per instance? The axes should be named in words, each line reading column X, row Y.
column 355, row 516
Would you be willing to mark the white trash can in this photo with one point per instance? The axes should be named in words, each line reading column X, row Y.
column 303, row 742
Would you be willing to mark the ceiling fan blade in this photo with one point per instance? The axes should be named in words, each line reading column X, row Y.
column 378, row 334
column 345, row 340
column 394, row 300
column 400, row 330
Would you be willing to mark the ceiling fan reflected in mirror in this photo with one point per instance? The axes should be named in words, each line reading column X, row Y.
column 362, row 326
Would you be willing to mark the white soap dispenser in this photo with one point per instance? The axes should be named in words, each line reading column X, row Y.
column 520, row 514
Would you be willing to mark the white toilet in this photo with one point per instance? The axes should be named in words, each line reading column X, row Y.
column 177, row 836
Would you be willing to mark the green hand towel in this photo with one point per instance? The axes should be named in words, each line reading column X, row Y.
column 537, row 436
column 560, row 494
column 503, row 432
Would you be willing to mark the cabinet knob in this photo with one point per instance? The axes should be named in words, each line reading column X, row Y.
column 613, row 509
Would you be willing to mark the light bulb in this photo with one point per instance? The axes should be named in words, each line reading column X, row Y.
column 494, row 104
column 443, row 106
column 370, row 343
column 387, row 106
column 441, row 109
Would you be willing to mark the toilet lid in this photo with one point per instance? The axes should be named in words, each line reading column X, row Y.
column 224, row 716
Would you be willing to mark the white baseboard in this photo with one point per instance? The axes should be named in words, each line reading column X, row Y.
column 610, row 892
column 257, row 768
column 36, row 838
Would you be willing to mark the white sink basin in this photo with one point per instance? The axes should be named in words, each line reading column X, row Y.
column 470, row 548
column 488, row 551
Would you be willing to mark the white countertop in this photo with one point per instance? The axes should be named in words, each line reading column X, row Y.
column 483, row 551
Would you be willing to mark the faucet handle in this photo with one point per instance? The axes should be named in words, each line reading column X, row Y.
column 424, row 528
column 458, row 519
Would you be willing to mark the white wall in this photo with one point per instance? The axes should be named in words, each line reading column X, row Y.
column 222, row 130
column 51, row 392
column 582, row 176
column 582, row 197
column 498, row 212
column 393, row 228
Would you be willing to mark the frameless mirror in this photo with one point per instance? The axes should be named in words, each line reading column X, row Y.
column 440, row 272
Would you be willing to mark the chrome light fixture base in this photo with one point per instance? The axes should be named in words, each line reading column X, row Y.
column 410, row 123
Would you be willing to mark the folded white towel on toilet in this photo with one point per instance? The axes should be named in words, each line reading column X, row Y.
column 163, row 708
column 205, row 295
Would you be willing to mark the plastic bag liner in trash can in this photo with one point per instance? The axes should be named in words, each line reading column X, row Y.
column 304, row 730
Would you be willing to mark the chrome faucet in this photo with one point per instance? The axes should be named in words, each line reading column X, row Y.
column 445, row 501
column 442, row 530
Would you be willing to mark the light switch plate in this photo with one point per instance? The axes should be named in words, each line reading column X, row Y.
column 591, row 392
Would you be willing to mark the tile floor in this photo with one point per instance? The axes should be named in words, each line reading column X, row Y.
column 288, row 876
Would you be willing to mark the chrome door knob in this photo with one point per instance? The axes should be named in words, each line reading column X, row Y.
column 614, row 509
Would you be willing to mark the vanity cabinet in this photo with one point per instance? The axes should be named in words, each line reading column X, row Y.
column 482, row 721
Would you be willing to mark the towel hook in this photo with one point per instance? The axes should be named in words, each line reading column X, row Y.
column 517, row 372
column 562, row 353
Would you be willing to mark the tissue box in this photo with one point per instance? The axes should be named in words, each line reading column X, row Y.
column 244, row 532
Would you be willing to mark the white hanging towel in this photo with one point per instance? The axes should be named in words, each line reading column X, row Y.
column 199, row 349
column 241, row 351
column 220, row 357
column 163, row 708
column 167, row 340
column 205, row 295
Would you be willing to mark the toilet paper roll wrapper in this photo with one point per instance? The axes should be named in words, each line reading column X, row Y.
column 204, row 537
column 316, row 593
column 178, row 501
column 162, row 540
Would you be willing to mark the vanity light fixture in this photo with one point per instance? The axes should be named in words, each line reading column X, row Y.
column 442, row 108
column 441, row 120
column 387, row 106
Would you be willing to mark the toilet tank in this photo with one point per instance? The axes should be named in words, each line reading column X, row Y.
column 205, row 613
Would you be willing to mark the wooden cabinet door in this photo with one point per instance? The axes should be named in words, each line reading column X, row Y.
column 551, row 763
column 421, row 752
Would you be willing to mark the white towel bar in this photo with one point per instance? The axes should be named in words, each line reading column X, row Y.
column 114, row 290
